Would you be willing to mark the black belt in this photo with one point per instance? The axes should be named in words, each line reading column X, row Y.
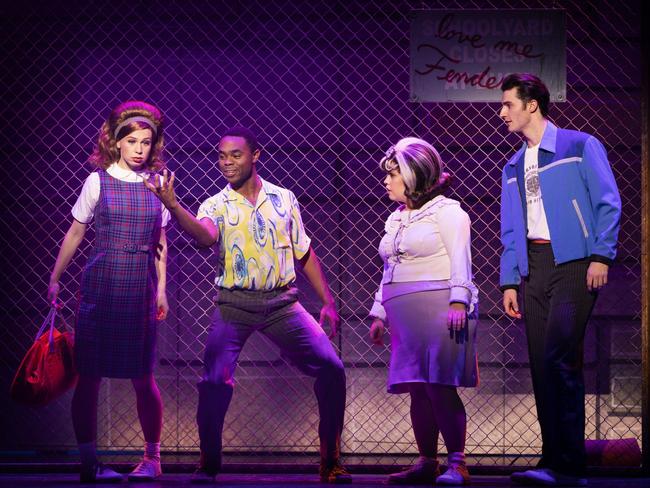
column 280, row 289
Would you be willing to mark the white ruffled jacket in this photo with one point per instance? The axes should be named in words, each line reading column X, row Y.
column 431, row 243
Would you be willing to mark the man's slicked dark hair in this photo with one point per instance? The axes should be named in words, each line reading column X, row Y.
column 529, row 87
column 244, row 133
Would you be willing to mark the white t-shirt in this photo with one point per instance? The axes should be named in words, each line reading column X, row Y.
column 84, row 208
column 537, row 225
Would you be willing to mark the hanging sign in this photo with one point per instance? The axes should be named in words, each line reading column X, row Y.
column 463, row 55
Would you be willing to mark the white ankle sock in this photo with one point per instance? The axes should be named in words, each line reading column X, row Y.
column 456, row 458
column 152, row 451
column 88, row 453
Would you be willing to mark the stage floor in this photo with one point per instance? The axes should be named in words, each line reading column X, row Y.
column 226, row 480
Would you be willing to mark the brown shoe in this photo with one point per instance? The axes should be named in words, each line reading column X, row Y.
column 421, row 473
column 334, row 473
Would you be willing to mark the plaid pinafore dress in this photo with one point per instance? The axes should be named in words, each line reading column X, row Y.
column 115, row 333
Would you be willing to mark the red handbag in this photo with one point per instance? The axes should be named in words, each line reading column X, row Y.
column 47, row 370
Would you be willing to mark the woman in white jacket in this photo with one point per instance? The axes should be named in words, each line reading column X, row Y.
column 427, row 296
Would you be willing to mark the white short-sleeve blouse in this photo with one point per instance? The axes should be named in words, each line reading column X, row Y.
column 84, row 209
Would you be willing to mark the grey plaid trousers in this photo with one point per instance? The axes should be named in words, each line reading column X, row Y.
column 278, row 315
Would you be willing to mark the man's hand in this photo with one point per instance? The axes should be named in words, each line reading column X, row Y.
column 329, row 314
column 377, row 331
column 510, row 305
column 596, row 275
column 163, row 190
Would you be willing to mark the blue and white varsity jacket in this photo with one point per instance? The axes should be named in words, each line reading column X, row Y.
column 580, row 198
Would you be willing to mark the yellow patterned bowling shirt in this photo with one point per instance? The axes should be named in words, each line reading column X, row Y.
column 257, row 243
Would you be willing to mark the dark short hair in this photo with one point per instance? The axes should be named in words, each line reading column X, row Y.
column 244, row 133
column 529, row 87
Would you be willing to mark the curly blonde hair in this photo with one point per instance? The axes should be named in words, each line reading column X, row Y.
column 106, row 151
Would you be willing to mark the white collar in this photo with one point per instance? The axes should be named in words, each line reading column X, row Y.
column 120, row 173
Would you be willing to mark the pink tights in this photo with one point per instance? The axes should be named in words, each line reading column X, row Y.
column 84, row 408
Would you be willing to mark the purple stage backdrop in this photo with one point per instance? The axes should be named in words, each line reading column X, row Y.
column 326, row 87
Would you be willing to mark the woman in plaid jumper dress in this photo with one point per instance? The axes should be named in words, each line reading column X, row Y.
column 122, row 294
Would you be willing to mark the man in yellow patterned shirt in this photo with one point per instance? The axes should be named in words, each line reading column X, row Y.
column 260, row 232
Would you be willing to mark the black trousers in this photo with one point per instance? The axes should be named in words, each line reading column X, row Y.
column 557, row 306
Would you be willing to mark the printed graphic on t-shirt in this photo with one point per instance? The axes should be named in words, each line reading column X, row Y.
column 531, row 178
column 536, row 217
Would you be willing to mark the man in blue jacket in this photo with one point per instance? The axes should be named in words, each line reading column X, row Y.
column 560, row 217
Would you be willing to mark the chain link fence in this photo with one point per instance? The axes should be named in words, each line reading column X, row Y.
column 325, row 86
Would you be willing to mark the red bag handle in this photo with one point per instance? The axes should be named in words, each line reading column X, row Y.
column 50, row 318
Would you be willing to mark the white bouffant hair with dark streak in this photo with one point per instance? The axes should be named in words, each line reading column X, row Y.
column 421, row 168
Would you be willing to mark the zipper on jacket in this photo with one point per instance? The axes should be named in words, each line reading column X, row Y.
column 582, row 221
